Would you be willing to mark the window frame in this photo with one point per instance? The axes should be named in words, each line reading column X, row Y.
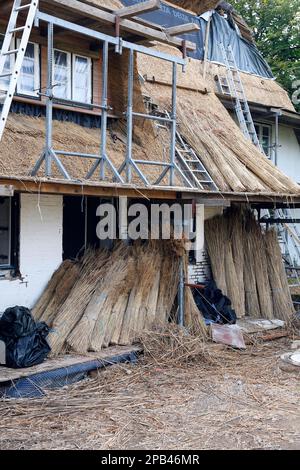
column 260, row 126
column 69, row 66
column 37, row 73
column 15, row 42
column 14, row 230
column 8, row 265
column 11, row 59
column 90, row 87
column 71, row 58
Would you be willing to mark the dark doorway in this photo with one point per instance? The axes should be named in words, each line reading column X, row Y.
column 73, row 226
column 79, row 225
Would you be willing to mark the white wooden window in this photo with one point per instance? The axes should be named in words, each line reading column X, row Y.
column 72, row 77
column 62, row 75
column 29, row 81
column 264, row 134
column 5, row 232
column 4, row 82
column 82, row 79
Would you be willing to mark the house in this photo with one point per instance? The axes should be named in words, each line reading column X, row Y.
column 96, row 79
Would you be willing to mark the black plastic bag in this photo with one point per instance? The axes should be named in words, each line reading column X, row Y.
column 214, row 306
column 25, row 340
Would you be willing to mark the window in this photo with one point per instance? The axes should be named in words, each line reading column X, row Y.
column 5, row 231
column 9, row 232
column 62, row 75
column 29, row 81
column 72, row 77
column 4, row 82
column 81, row 79
column 264, row 134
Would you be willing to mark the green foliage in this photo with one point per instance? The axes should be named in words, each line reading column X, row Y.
column 276, row 27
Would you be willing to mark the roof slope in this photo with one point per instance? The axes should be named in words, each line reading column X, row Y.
column 234, row 163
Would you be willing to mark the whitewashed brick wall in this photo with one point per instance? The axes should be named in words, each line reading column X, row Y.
column 40, row 249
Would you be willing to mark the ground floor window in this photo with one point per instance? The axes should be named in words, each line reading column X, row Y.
column 9, row 222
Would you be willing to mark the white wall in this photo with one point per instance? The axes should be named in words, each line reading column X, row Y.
column 288, row 159
column 40, row 249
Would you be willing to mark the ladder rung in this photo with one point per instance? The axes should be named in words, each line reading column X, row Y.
column 15, row 30
column 23, row 7
column 13, row 51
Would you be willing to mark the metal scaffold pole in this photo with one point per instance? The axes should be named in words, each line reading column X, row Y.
column 129, row 117
column 49, row 105
column 173, row 125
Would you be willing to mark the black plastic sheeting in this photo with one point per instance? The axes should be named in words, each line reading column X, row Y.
column 25, row 339
column 36, row 386
column 168, row 16
column 247, row 55
column 214, row 305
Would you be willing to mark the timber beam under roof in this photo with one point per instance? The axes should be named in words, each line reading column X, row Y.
column 106, row 19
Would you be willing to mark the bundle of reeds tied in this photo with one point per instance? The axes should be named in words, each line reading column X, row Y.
column 247, row 265
column 112, row 297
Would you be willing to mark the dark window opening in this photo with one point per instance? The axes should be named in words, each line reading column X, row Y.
column 9, row 233
column 79, row 225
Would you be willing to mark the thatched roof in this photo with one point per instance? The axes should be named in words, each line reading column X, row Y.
column 258, row 90
column 234, row 163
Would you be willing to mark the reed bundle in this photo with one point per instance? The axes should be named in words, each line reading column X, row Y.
column 236, row 238
column 215, row 236
column 49, row 291
column 254, row 275
column 92, row 270
column 60, row 293
column 193, row 318
column 282, row 300
column 117, row 295
column 260, row 268
column 252, row 307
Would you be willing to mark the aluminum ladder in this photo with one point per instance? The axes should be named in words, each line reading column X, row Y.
column 190, row 164
column 232, row 85
column 15, row 26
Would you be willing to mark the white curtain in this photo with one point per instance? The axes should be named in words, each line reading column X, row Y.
column 26, row 82
column 62, row 75
column 82, row 80
column 7, row 68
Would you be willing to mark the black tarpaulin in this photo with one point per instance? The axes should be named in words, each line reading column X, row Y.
column 247, row 56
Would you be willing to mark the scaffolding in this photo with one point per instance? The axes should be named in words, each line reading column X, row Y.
column 102, row 162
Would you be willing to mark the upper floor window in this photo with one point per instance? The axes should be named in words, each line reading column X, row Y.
column 72, row 77
column 264, row 134
column 29, row 81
